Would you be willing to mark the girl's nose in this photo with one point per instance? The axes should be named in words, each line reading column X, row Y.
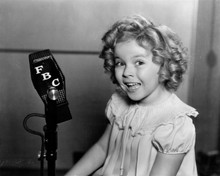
column 128, row 71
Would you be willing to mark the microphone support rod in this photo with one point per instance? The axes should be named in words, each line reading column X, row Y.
column 51, row 134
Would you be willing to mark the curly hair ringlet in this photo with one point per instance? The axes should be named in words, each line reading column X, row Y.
column 166, row 47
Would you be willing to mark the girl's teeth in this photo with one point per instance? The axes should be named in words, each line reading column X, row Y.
column 132, row 86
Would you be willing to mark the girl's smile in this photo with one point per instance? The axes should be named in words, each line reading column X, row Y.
column 136, row 73
column 132, row 86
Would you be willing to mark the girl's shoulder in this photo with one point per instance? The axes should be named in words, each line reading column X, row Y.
column 176, row 108
column 170, row 110
column 118, row 103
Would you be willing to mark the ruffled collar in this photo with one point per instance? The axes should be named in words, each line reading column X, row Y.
column 141, row 119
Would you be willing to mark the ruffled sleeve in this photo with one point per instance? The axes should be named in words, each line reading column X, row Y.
column 177, row 136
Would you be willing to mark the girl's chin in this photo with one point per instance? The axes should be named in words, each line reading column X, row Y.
column 132, row 95
column 134, row 98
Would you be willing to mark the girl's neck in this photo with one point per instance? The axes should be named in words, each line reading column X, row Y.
column 158, row 98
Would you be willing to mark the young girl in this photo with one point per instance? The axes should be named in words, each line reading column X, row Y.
column 150, row 131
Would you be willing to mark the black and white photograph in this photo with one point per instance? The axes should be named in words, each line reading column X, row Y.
column 109, row 88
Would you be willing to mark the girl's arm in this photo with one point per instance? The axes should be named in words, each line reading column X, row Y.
column 93, row 158
column 166, row 164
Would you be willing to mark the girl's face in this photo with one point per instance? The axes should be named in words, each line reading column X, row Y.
column 136, row 73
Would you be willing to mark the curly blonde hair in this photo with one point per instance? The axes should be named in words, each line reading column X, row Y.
column 167, row 48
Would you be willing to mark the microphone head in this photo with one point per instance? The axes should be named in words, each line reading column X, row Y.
column 49, row 80
column 45, row 73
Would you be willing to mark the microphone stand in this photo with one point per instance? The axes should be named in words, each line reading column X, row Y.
column 50, row 130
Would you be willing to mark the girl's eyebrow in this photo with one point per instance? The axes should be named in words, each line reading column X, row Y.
column 134, row 57
column 139, row 55
column 116, row 57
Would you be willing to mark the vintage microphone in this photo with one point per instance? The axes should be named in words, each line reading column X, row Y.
column 46, row 74
column 49, row 82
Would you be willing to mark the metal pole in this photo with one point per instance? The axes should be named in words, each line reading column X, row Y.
column 50, row 131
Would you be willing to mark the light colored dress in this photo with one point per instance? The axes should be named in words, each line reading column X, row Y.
column 139, row 132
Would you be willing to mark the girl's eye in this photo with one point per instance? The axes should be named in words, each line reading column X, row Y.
column 118, row 63
column 139, row 63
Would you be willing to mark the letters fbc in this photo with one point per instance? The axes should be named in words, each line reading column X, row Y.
column 46, row 76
